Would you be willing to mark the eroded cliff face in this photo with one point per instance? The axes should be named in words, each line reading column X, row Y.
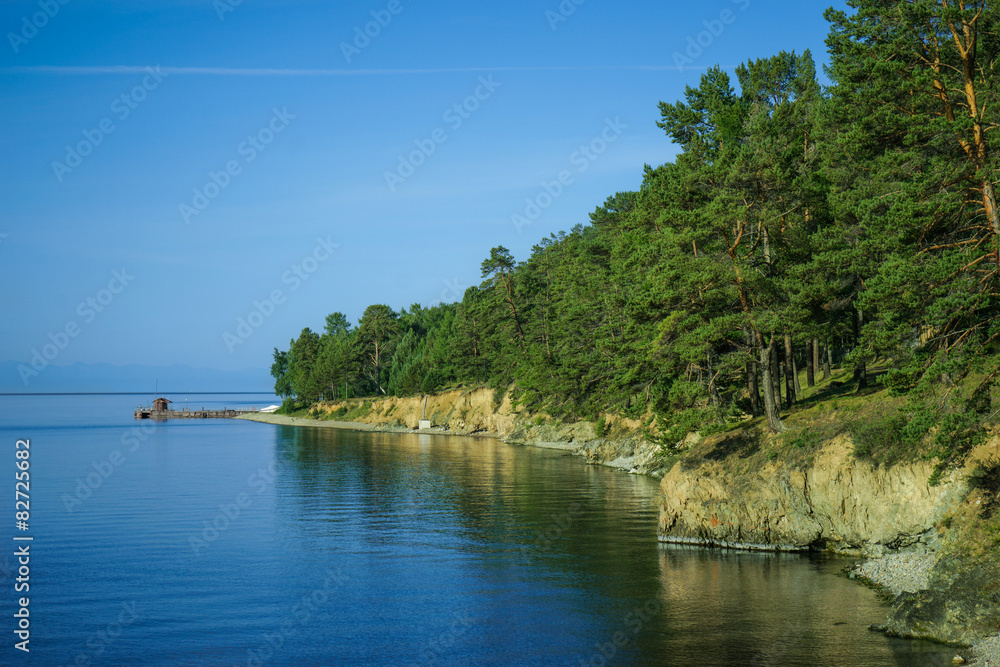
column 732, row 496
column 475, row 412
column 728, row 492
column 462, row 412
column 837, row 503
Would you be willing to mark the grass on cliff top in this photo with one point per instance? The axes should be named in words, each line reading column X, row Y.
column 883, row 428
column 343, row 411
column 821, row 413
column 290, row 408
column 350, row 409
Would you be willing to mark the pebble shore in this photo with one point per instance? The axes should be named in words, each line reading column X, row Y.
column 910, row 572
column 987, row 652
column 897, row 573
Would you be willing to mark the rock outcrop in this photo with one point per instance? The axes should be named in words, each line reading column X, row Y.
column 838, row 503
column 477, row 412
column 727, row 493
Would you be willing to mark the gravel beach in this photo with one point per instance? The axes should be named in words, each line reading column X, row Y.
column 987, row 652
column 910, row 572
column 897, row 573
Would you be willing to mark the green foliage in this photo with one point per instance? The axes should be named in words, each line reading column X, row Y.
column 881, row 441
column 957, row 435
column 857, row 214
column 688, row 421
column 358, row 410
column 905, row 435
column 895, row 437
column 804, row 439
column 376, row 341
column 986, row 479
column 601, row 427
column 337, row 325
column 281, row 373
column 498, row 396
column 304, row 356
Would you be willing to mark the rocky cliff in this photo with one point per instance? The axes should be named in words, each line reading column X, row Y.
column 728, row 492
column 738, row 490
column 837, row 503
column 477, row 412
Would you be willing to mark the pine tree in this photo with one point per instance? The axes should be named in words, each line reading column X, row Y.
column 376, row 339
column 917, row 97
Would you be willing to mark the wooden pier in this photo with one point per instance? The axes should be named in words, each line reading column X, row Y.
column 160, row 410
column 146, row 413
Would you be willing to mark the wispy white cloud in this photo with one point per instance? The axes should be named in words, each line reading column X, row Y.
column 270, row 71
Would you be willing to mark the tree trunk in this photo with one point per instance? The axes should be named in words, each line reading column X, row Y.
column 815, row 355
column 770, row 407
column 775, row 373
column 548, row 304
column 827, row 360
column 990, row 205
column 755, row 407
column 517, row 322
column 513, row 312
column 753, row 379
column 789, row 370
column 377, row 361
column 810, row 368
column 714, row 398
column 795, row 375
column 861, row 369
column 784, row 378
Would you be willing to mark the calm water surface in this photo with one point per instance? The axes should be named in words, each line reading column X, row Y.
column 222, row 542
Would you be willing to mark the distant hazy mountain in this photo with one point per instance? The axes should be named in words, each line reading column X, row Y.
column 134, row 378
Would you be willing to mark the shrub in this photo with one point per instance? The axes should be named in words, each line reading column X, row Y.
column 881, row 441
column 986, row 478
column 704, row 421
column 804, row 439
column 959, row 433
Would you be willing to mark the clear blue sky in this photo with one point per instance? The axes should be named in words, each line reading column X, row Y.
column 326, row 127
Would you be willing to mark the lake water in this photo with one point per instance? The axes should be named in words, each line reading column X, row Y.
column 222, row 542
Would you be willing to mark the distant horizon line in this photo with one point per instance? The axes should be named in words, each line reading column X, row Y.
column 272, row 71
column 127, row 393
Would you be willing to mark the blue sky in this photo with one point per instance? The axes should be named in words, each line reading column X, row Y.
column 169, row 167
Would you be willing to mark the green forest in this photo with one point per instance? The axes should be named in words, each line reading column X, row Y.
column 802, row 229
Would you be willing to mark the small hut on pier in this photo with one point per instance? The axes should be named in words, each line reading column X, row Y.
column 160, row 405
